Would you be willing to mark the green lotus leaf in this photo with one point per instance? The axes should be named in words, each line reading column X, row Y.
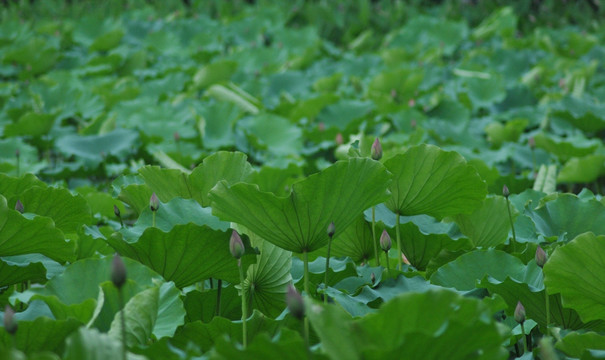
column 272, row 132
column 90, row 344
column 287, row 345
column 355, row 241
column 12, row 272
column 216, row 124
column 298, row 222
column 567, row 216
column 166, row 183
column 488, row 225
column 94, row 148
column 391, row 288
column 31, row 124
column 582, row 170
column 566, row 148
column 266, row 281
column 428, row 180
column 340, row 269
column 464, row 272
column 19, row 235
column 576, row 270
column 39, row 335
column 202, row 305
column 575, row 344
column 69, row 212
column 140, row 313
column 189, row 253
column 206, row 335
column 12, row 187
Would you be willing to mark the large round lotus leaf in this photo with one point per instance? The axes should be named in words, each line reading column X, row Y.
column 577, row 271
column 567, row 216
column 41, row 334
column 420, row 325
column 19, row 235
column 299, row 221
column 428, row 180
column 69, row 212
column 12, row 272
column 355, row 241
column 575, row 344
column 582, row 170
column 488, row 225
column 186, row 254
column 140, row 314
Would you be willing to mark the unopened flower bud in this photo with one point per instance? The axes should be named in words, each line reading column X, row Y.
column 177, row 136
column 19, row 206
column 520, row 313
column 376, row 151
column 154, row 202
column 385, row 241
column 17, row 153
column 505, row 191
column 339, row 140
column 372, row 278
column 116, row 211
column 118, row 271
column 541, row 257
column 532, row 143
column 236, row 246
column 295, row 302
column 331, row 229
column 10, row 325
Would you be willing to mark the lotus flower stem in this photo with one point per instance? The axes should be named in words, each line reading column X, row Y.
column 219, row 286
column 524, row 338
column 331, row 229
column 122, row 322
column 306, row 275
column 547, row 310
column 153, row 219
column 18, row 158
column 386, row 254
column 506, row 193
column 244, row 303
column 374, row 236
column 399, row 249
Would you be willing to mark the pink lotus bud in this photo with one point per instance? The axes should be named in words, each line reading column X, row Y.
column 17, row 153
column 411, row 103
column 505, row 191
column 154, row 202
column 10, row 325
column 177, row 136
column 339, row 139
column 321, row 126
column 118, row 271
column 520, row 313
column 532, row 143
column 236, row 246
column 385, row 241
column 541, row 257
column 331, row 229
column 295, row 303
column 19, row 206
column 372, row 278
column 376, row 151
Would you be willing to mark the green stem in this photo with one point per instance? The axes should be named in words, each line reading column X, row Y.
column 153, row 219
column 374, row 236
column 524, row 338
column 244, row 303
column 123, row 322
column 512, row 225
column 218, row 297
column 533, row 163
column 386, row 254
column 326, row 273
column 306, row 275
column 547, row 311
column 18, row 165
column 399, row 249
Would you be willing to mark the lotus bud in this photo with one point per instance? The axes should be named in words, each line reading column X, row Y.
column 19, row 206
column 541, row 257
column 295, row 302
column 532, row 143
column 520, row 313
column 10, row 325
column 372, row 278
column 505, row 191
column 116, row 211
column 339, row 140
column 177, row 136
column 376, row 151
column 236, row 246
column 331, row 229
column 385, row 241
column 118, row 271
column 17, row 153
column 154, row 202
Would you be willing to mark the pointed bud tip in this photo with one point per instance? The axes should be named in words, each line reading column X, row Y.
column 154, row 202
column 520, row 313
column 541, row 257
column 331, row 229
column 10, row 324
column 295, row 302
column 385, row 241
column 116, row 211
column 19, row 206
column 118, row 271
column 505, row 191
column 236, row 245
column 376, row 151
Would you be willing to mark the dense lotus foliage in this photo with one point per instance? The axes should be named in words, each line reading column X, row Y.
column 363, row 180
